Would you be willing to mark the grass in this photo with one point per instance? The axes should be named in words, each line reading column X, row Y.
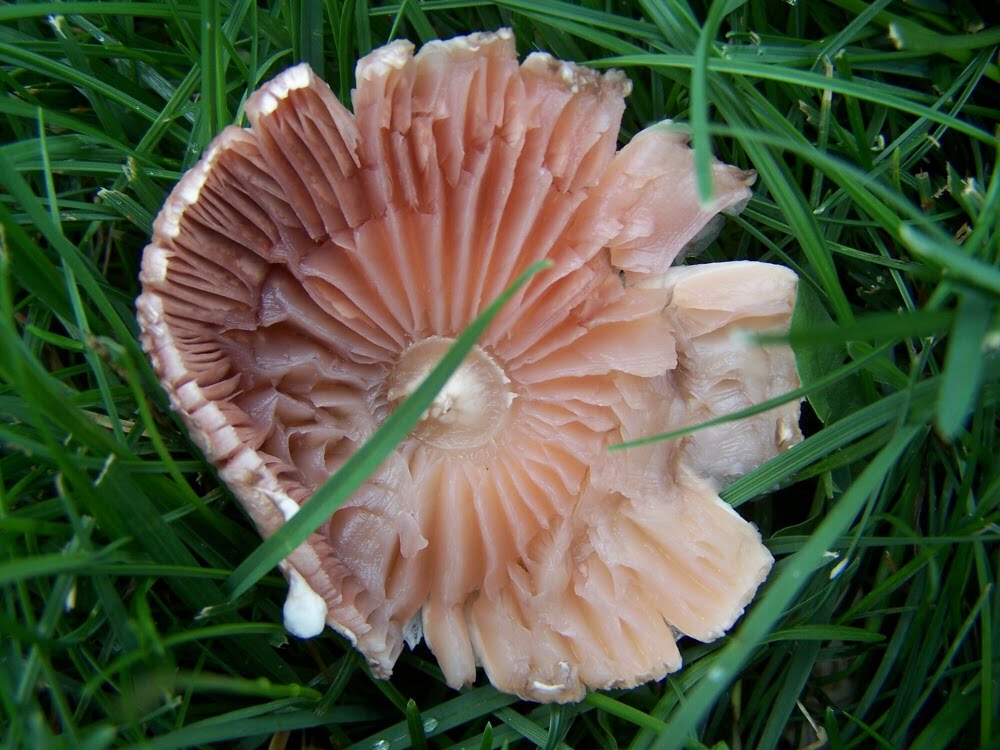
column 872, row 126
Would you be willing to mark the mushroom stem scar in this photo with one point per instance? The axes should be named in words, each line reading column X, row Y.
column 471, row 407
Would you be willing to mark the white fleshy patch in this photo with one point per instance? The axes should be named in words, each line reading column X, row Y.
column 384, row 60
column 187, row 192
column 191, row 398
column 413, row 630
column 154, row 266
column 286, row 505
column 172, row 220
column 208, row 417
column 190, row 189
column 458, row 388
column 569, row 77
column 242, row 467
column 786, row 430
column 278, row 89
column 347, row 633
column 544, row 687
column 566, row 673
column 172, row 366
column 305, row 610
column 69, row 603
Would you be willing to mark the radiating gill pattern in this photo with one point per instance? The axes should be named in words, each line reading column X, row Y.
column 297, row 273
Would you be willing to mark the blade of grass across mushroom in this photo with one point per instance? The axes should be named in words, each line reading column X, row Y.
column 787, row 582
column 877, row 326
column 917, row 402
column 769, row 164
column 369, row 456
column 825, row 382
column 888, row 326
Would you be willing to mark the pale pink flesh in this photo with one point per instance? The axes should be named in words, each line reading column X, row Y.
column 293, row 268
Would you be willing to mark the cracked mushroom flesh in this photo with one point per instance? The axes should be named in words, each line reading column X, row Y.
column 308, row 273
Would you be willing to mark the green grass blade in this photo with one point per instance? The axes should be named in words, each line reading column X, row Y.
column 882, row 94
column 624, row 711
column 963, row 364
column 237, row 726
column 952, row 260
column 818, row 385
column 823, row 443
column 46, row 67
column 213, row 87
column 43, row 566
column 469, row 705
column 780, row 593
column 311, row 33
column 699, row 96
column 415, row 726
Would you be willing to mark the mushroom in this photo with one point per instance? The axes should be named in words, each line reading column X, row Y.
column 307, row 274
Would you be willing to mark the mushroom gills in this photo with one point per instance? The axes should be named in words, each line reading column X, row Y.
column 304, row 278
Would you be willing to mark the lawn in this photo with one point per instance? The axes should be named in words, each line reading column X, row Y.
column 137, row 606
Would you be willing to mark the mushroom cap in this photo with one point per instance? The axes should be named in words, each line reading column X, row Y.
column 310, row 270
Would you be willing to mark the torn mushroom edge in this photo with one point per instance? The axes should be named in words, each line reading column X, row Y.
column 256, row 486
column 251, row 480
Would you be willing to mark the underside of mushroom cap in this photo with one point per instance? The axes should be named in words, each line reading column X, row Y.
column 307, row 274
